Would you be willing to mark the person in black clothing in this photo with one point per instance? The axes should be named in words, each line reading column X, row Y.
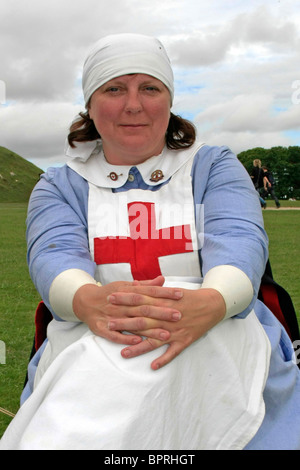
column 268, row 185
column 257, row 177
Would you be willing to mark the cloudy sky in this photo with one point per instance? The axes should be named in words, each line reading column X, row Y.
column 236, row 66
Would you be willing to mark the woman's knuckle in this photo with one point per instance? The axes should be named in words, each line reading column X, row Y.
column 141, row 324
column 151, row 343
column 136, row 298
column 146, row 310
column 153, row 291
column 113, row 336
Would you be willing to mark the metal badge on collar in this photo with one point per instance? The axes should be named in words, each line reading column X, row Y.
column 156, row 176
column 113, row 176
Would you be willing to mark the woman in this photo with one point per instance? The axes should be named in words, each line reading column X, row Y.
column 141, row 241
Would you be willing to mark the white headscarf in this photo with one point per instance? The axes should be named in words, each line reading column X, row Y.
column 122, row 54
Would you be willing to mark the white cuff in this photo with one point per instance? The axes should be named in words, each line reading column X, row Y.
column 233, row 284
column 62, row 291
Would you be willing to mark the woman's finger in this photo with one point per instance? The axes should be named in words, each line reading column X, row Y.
column 172, row 351
column 147, row 345
column 158, row 281
column 117, row 336
column 145, row 312
column 136, row 295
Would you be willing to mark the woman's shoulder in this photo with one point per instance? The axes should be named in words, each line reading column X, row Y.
column 61, row 182
column 60, row 175
column 209, row 155
column 214, row 152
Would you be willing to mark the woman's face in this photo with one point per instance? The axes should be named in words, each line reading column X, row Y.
column 131, row 114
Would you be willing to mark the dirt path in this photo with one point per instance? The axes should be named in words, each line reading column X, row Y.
column 282, row 208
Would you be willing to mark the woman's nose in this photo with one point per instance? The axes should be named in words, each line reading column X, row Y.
column 133, row 102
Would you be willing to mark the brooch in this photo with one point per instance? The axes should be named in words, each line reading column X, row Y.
column 113, row 176
column 157, row 175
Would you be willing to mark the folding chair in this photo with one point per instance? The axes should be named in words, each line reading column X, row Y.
column 277, row 299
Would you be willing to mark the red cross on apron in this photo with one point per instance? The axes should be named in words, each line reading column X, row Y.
column 145, row 244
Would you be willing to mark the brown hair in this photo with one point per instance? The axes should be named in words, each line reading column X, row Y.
column 180, row 134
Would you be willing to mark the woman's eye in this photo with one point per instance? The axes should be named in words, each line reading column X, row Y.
column 113, row 89
column 151, row 88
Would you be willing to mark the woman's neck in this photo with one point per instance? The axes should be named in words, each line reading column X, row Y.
column 134, row 157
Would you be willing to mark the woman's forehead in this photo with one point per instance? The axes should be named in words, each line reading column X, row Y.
column 137, row 77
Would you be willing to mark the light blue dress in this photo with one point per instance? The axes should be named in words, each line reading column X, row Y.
column 234, row 235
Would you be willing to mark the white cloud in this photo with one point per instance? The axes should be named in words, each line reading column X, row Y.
column 235, row 63
column 37, row 131
column 247, row 121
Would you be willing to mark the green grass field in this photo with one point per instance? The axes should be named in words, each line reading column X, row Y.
column 283, row 230
column 19, row 298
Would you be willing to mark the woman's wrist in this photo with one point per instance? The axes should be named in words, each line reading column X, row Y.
column 233, row 284
column 63, row 290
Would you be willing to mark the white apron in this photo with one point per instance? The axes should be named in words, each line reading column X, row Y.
column 88, row 397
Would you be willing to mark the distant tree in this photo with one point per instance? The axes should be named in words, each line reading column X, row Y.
column 283, row 162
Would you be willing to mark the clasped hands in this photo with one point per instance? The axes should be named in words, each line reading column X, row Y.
column 153, row 314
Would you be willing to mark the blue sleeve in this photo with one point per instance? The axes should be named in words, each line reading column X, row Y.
column 233, row 224
column 57, row 228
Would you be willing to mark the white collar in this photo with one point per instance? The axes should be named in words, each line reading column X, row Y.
column 88, row 160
